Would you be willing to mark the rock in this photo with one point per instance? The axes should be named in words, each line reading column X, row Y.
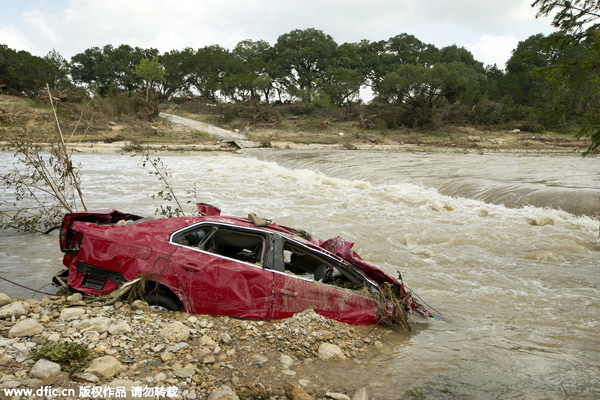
column 337, row 396
column 260, row 359
column 71, row 313
column 54, row 337
column 329, row 351
column 514, row 131
column 209, row 360
column 295, row 392
column 119, row 328
column 106, row 366
column 16, row 309
column 44, row 369
column 166, row 356
column 223, row 393
column 98, row 324
column 160, row 377
column 88, row 377
column 175, row 332
column 225, row 338
column 140, row 305
column 27, row 327
column 286, row 360
column 4, row 299
column 361, row 394
column 207, row 341
column 74, row 298
column 184, row 373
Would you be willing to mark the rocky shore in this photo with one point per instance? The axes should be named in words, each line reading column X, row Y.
column 136, row 352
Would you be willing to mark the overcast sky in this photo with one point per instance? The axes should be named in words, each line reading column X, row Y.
column 490, row 29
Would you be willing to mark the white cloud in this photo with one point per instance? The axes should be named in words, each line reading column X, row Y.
column 493, row 49
column 13, row 38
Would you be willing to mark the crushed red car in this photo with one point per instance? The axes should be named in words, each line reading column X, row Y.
column 222, row 265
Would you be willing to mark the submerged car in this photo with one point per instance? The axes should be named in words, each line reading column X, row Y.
column 222, row 265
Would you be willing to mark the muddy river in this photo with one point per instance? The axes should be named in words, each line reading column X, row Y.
column 504, row 246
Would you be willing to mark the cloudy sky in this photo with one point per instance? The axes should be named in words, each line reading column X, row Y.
column 490, row 29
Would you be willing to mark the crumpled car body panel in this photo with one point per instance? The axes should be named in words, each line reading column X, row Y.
column 236, row 269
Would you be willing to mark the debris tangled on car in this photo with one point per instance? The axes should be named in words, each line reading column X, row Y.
column 223, row 265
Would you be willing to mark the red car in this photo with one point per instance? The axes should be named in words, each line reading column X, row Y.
column 241, row 267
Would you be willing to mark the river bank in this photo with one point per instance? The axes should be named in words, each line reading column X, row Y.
column 186, row 356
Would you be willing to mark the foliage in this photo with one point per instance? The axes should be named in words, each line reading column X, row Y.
column 550, row 81
column 150, row 71
column 24, row 73
column 65, row 353
column 573, row 79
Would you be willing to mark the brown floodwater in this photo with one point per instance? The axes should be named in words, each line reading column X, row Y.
column 503, row 245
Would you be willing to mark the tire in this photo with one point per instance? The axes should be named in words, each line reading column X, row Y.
column 163, row 301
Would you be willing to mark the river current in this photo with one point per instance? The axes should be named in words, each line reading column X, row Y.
column 503, row 245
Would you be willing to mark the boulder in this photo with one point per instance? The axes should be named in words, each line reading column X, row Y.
column 75, row 297
column 98, row 324
column 71, row 313
column 16, row 309
column 329, row 351
column 4, row 299
column 44, row 369
column 27, row 327
column 107, row 367
column 119, row 328
column 175, row 332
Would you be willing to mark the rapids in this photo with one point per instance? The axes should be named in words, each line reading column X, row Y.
column 503, row 245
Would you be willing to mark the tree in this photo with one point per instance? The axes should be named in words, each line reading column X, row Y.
column 22, row 72
column 574, row 17
column 210, row 65
column 248, row 73
column 178, row 67
column 110, row 68
column 577, row 26
column 150, row 71
column 304, row 56
column 59, row 69
column 343, row 80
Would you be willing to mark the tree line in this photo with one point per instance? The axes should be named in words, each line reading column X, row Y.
column 550, row 82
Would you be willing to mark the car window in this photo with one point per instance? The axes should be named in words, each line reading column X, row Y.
column 309, row 264
column 232, row 242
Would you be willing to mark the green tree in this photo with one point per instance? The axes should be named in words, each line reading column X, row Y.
column 22, row 72
column 572, row 17
column 179, row 67
column 150, row 71
column 59, row 69
column 110, row 68
column 304, row 56
column 343, row 79
column 248, row 75
column 210, row 66
column 577, row 25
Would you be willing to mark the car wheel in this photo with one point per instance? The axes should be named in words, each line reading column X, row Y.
column 163, row 301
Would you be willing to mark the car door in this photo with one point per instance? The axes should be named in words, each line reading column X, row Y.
column 304, row 283
column 218, row 273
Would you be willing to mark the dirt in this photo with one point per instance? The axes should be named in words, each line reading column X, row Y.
column 22, row 117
